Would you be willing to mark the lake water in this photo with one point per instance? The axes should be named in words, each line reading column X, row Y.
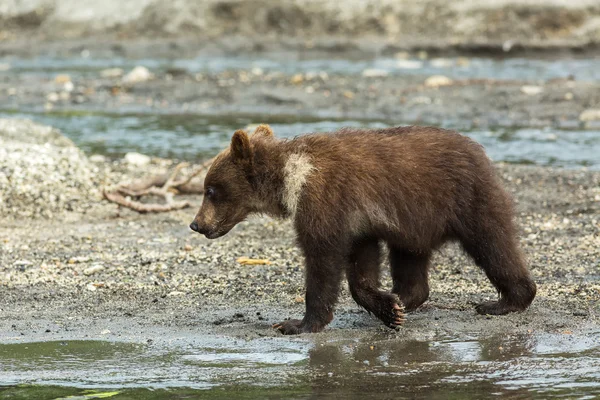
column 531, row 366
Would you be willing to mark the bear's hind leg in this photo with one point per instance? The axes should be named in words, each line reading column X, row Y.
column 409, row 271
column 363, row 280
column 498, row 254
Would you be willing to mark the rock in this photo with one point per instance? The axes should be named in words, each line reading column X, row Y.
column 80, row 259
column 374, row 73
column 62, row 79
column 462, row 61
column 297, row 79
column 52, row 97
column 112, row 73
column 91, row 287
column 98, row 158
column 441, row 62
column 93, row 269
column 68, row 86
column 42, row 173
column 590, row 115
column 409, row 64
column 138, row 74
column 437, row 81
column 137, row 159
column 22, row 263
column 531, row 90
column 402, row 55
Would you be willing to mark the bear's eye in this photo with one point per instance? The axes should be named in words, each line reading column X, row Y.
column 209, row 192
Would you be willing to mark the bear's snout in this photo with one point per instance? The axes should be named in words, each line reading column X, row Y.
column 194, row 226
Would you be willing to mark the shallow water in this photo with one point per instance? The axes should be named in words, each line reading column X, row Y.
column 584, row 69
column 522, row 366
column 193, row 137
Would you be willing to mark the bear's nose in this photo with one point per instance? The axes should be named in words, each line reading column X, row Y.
column 194, row 226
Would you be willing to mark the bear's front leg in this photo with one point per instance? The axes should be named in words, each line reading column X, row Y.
column 323, row 277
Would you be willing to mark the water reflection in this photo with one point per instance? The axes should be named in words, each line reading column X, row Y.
column 322, row 366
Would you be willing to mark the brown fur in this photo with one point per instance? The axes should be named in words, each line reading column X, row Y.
column 414, row 188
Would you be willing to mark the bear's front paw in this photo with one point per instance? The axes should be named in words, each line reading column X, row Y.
column 295, row 327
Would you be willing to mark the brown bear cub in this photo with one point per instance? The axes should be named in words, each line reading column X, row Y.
column 413, row 188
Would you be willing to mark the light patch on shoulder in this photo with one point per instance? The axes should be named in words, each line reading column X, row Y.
column 295, row 173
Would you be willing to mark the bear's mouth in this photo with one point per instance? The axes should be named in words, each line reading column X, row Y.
column 215, row 234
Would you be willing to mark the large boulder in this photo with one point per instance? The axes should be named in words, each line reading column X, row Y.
column 42, row 173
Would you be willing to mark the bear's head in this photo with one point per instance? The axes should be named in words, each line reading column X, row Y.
column 229, row 193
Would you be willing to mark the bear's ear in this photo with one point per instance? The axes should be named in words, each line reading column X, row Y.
column 263, row 130
column 240, row 147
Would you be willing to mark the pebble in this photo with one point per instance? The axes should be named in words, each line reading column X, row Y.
column 409, row 64
column 112, row 73
column 435, row 81
column 62, row 79
column 590, row 115
column 97, row 158
column 441, row 62
column 52, row 97
column 374, row 73
column 76, row 260
column 93, row 269
column 138, row 74
column 91, row 287
column 137, row 159
column 531, row 90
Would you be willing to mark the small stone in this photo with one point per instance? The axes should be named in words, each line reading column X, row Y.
column 462, row 61
column 4, row 66
column 348, row 94
column 93, row 269
column 409, row 64
column 62, row 79
column 374, row 73
column 297, row 79
column 188, row 247
column 137, row 159
column 91, row 287
column 80, row 259
column 138, row 74
column 175, row 293
column 590, row 115
column 299, row 299
column 97, row 158
column 531, row 90
column 52, row 97
column 569, row 96
column 402, row 55
column 105, row 332
column 441, row 62
column 68, row 86
column 435, row 81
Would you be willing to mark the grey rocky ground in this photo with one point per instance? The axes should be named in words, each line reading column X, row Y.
column 73, row 271
column 499, row 25
column 562, row 103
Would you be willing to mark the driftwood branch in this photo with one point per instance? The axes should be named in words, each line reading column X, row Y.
column 165, row 186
